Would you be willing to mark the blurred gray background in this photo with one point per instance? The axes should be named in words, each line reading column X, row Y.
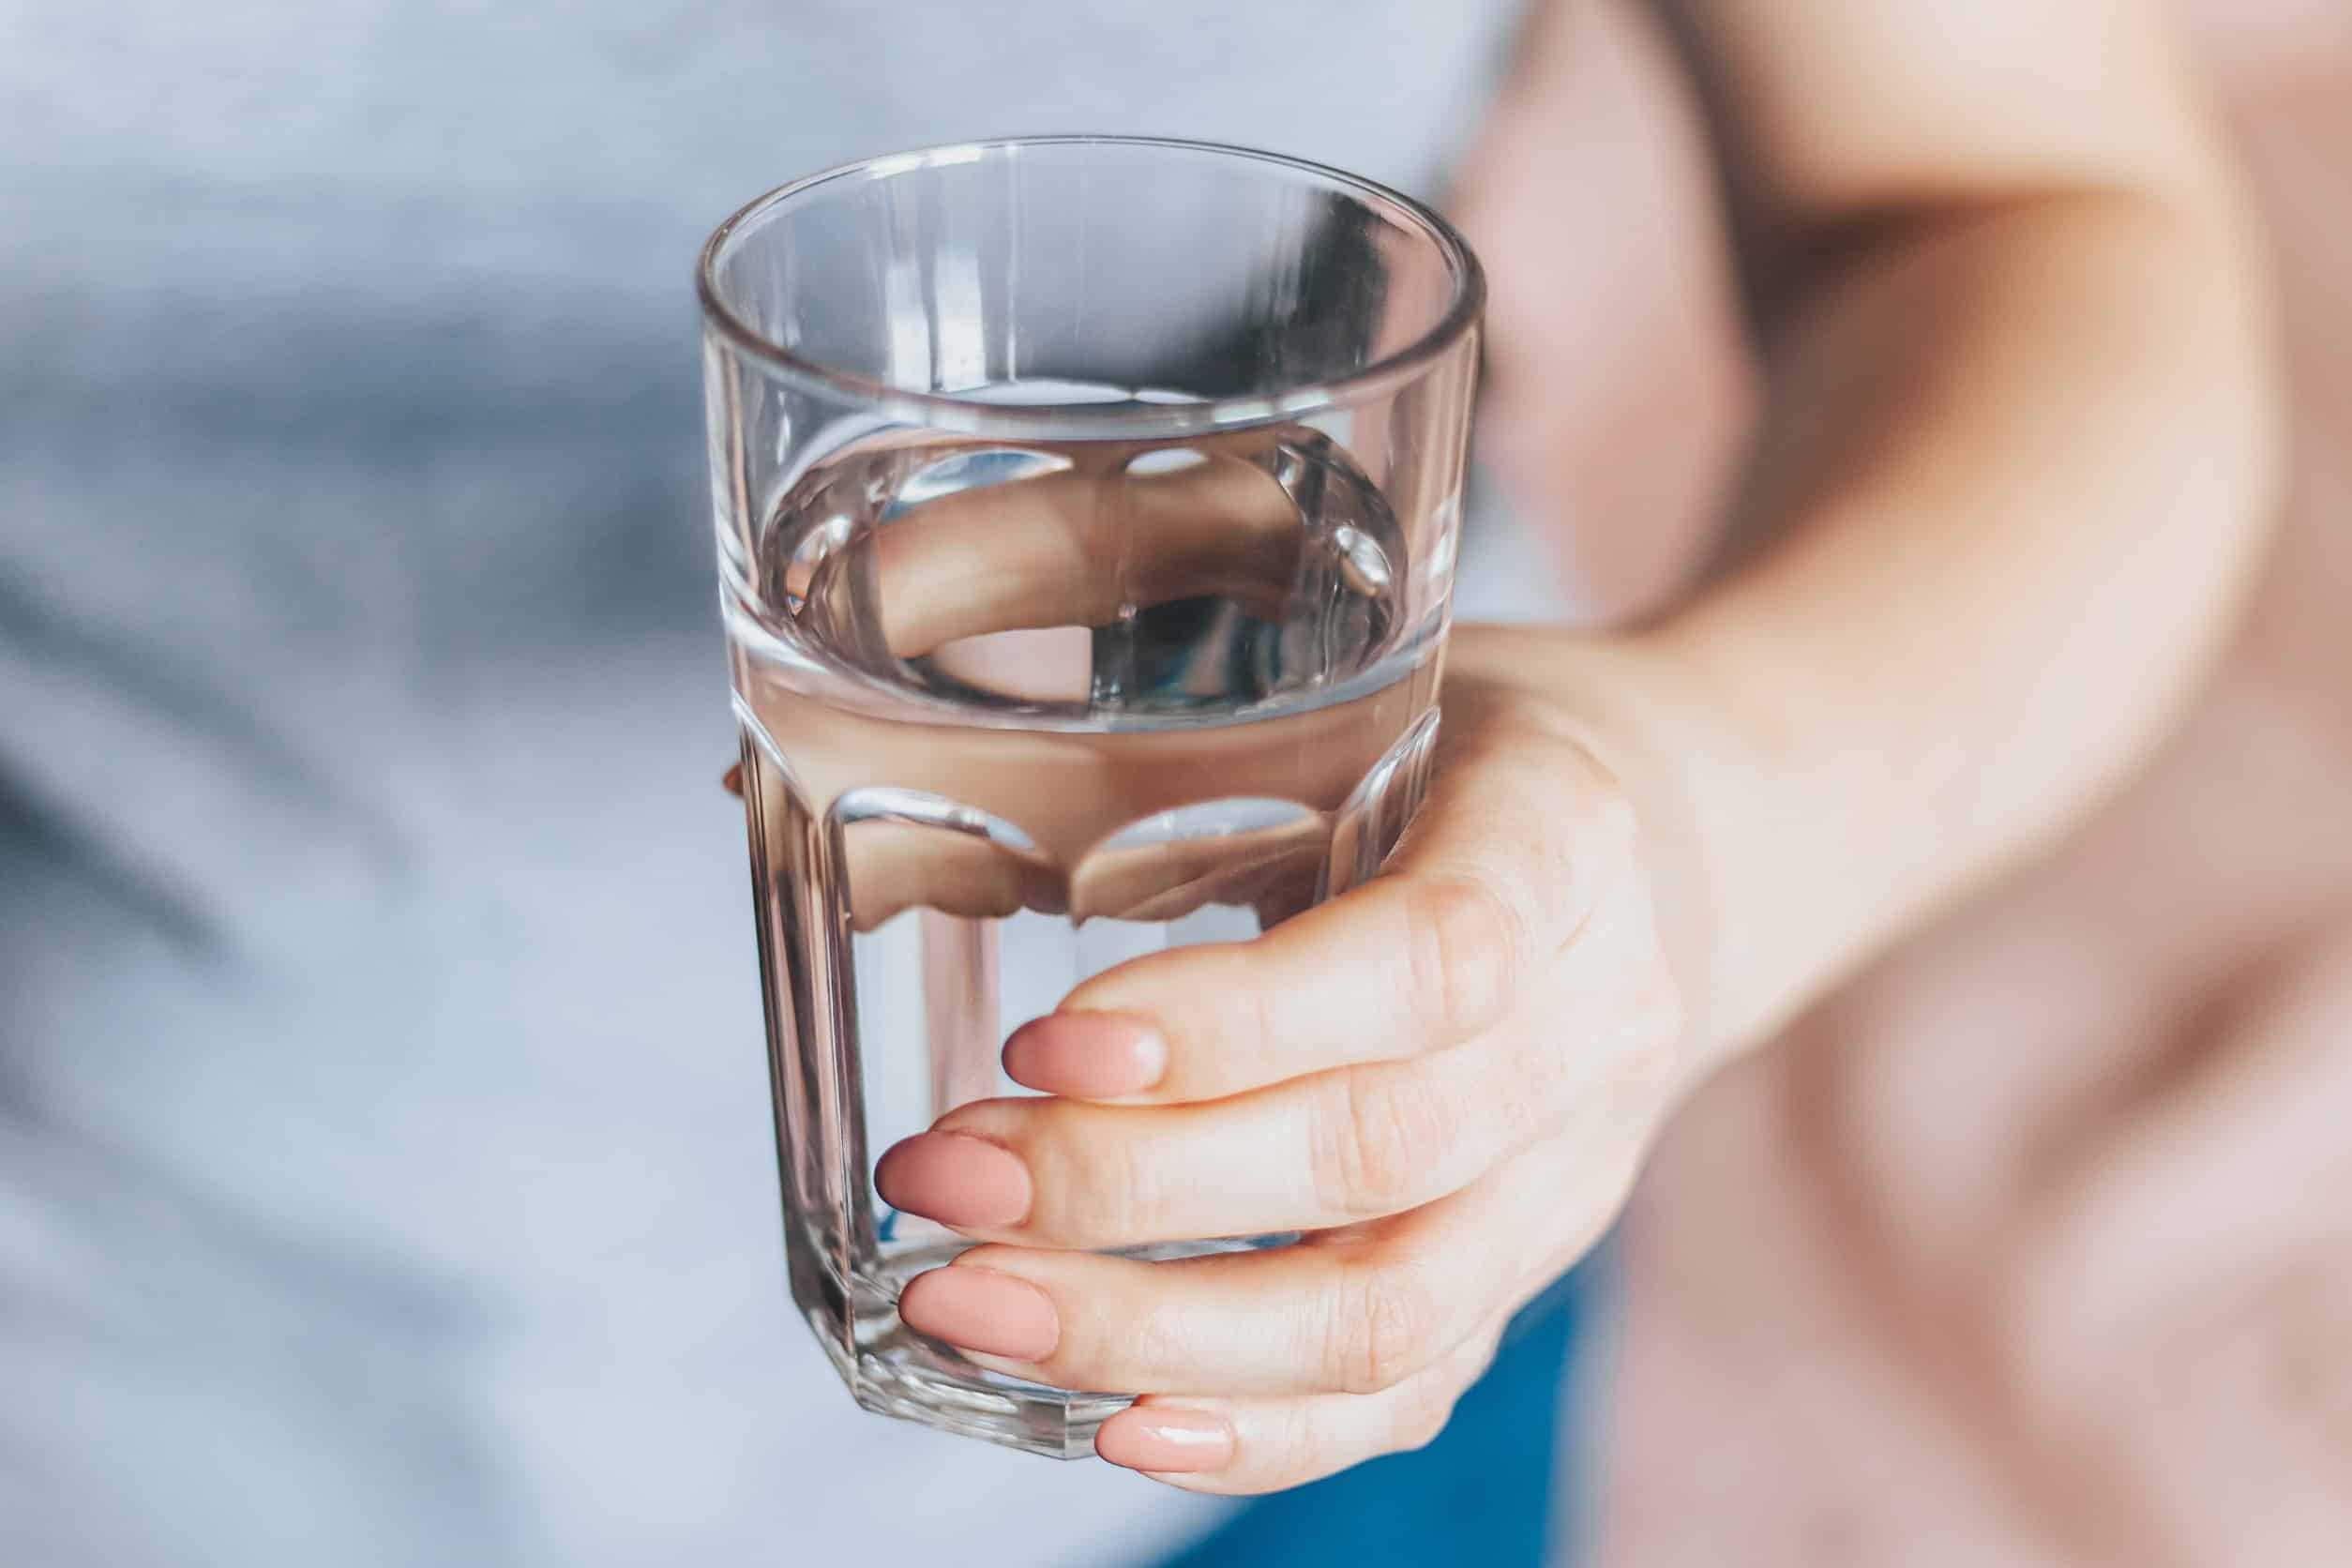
column 385, row 1172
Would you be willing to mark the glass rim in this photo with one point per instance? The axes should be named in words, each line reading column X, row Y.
column 969, row 415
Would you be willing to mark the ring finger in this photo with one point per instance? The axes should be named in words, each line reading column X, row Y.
column 1354, row 1314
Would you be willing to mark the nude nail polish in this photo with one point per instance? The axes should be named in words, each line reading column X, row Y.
column 981, row 1309
column 954, row 1178
column 1166, row 1440
column 1093, row 1056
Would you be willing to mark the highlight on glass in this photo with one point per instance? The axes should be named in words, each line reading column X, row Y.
column 1086, row 514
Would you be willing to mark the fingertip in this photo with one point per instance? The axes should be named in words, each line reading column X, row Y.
column 1166, row 1442
column 1088, row 1056
column 978, row 1308
column 956, row 1179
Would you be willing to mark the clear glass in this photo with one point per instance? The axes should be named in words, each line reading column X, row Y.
column 1086, row 515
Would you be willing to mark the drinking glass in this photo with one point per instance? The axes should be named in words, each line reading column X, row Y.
column 1086, row 513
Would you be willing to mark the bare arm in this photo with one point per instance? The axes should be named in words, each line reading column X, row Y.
column 2015, row 465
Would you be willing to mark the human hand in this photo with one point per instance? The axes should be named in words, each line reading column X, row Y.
column 1445, row 1079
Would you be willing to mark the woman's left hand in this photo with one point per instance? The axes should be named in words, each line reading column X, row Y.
column 1445, row 1079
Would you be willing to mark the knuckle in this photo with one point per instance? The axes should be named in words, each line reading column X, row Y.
column 1383, row 1325
column 1431, row 1409
column 1251, row 1031
column 1297, row 1443
column 1135, row 1202
column 1421, row 1420
column 1090, row 1191
column 1428, row 1407
column 1148, row 1349
column 1378, row 1140
column 1463, row 941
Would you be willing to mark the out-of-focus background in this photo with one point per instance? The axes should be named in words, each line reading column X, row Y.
column 385, row 1175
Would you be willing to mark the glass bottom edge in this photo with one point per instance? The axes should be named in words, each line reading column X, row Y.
column 890, row 1370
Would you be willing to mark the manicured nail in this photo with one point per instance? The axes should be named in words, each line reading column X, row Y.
column 1165, row 1441
column 954, row 1178
column 982, row 1310
column 1095, row 1056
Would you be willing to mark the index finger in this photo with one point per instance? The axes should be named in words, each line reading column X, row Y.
column 1519, row 836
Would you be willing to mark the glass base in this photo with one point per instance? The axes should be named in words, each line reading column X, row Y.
column 894, row 1371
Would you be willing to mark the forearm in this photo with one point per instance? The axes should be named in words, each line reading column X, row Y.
column 2015, row 469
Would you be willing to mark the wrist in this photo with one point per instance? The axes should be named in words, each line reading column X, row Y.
column 1702, row 790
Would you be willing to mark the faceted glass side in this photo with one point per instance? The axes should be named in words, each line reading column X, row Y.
column 886, row 1010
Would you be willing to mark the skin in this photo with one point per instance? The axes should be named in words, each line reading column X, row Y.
column 2012, row 464
column 2028, row 1247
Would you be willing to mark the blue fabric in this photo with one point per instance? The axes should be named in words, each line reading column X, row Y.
column 1487, row 1493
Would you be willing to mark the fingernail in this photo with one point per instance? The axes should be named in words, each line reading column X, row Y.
column 1091, row 1055
column 1165, row 1441
column 954, row 1178
column 982, row 1310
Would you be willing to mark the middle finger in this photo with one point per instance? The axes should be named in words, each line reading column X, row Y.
column 1331, row 1315
column 1311, row 1153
